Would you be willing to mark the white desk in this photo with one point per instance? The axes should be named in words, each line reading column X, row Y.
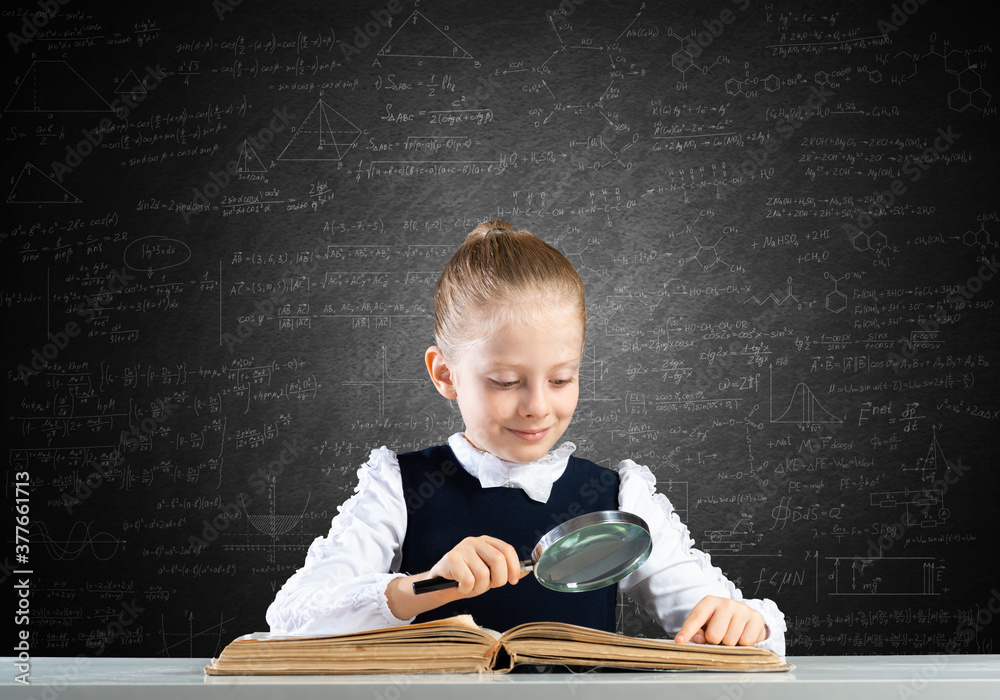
column 814, row 678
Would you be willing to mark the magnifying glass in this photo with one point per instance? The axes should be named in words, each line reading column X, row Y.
column 584, row 553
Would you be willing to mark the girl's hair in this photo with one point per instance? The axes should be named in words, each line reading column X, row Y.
column 498, row 276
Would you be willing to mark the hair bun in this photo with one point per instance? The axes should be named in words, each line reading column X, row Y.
column 487, row 228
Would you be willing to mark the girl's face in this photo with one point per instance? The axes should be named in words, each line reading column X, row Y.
column 517, row 389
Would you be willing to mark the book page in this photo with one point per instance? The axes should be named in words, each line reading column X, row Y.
column 559, row 643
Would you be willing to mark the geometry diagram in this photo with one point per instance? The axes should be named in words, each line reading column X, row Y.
column 418, row 37
column 130, row 84
column 325, row 134
column 35, row 187
column 803, row 408
column 53, row 86
column 248, row 162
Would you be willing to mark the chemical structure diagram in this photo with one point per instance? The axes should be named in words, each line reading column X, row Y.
column 962, row 64
column 876, row 242
column 980, row 237
column 580, row 261
column 708, row 256
column 683, row 59
column 606, row 154
column 788, row 298
column 557, row 77
column 836, row 301
column 748, row 87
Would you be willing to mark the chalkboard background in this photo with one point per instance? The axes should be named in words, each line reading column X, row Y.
column 224, row 220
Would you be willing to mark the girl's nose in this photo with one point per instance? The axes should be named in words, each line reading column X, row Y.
column 535, row 402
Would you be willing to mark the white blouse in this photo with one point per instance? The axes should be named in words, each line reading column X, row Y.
column 341, row 587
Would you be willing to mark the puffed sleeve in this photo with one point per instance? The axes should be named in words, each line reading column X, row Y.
column 677, row 575
column 341, row 587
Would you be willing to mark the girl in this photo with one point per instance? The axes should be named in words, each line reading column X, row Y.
column 509, row 326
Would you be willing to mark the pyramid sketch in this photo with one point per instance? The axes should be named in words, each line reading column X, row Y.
column 35, row 187
column 325, row 134
column 418, row 37
column 54, row 86
column 249, row 162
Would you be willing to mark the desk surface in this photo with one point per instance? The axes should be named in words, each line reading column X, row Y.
column 815, row 677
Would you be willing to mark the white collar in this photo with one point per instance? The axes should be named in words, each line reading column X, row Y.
column 534, row 478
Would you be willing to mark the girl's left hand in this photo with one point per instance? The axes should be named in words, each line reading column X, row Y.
column 725, row 621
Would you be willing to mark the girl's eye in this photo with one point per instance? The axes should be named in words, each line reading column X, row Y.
column 562, row 382
column 502, row 384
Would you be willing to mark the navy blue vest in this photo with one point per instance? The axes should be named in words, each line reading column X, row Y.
column 444, row 504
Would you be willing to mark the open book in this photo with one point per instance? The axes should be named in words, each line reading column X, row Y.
column 458, row 645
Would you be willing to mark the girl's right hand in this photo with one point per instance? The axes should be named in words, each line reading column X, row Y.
column 478, row 564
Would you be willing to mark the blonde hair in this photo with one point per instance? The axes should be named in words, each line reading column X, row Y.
column 501, row 275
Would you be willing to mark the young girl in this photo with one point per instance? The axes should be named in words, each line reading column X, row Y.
column 509, row 325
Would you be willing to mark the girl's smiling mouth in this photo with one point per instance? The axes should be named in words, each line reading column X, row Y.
column 532, row 435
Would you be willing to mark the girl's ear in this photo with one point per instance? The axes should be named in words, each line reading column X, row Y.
column 440, row 373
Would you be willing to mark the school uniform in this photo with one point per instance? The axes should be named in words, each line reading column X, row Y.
column 408, row 510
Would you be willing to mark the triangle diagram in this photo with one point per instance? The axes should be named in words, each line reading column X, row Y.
column 53, row 86
column 248, row 162
column 35, row 187
column 418, row 37
column 325, row 134
column 130, row 85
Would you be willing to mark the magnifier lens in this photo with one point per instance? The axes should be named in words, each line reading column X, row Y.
column 593, row 557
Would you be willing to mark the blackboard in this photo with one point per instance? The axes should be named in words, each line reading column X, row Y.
column 224, row 220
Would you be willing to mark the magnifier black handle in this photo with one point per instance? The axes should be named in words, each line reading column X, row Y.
column 439, row 583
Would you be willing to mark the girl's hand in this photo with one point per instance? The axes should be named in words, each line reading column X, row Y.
column 725, row 621
column 479, row 564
